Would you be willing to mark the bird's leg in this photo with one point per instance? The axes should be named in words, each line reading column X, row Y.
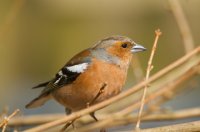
column 93, row 116
column 101, row 90
column 68, row 112
column 67, row 125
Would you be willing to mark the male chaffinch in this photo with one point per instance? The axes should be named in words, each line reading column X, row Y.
column 103, row 66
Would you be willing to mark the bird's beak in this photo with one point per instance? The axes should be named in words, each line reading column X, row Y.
column 137, row 48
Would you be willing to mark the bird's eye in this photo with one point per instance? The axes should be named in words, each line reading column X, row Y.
column 125, row 45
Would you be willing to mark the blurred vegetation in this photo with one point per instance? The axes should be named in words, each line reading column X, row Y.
column 38, row 37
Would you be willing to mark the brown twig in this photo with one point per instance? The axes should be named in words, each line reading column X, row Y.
column 176, row 115
column 4, row 112
column 118, row 97
column 149, row 68
column 184, row 127
column 67, row 125
column 34, row 119
column 5, row 121
column 182, row 24
column 40, row 119
column 101, row 90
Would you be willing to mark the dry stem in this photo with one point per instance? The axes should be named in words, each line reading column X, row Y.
column 101, row 90
column 149, row 68
column 179, row 114
column 184, row 127
column 40, row 119
column 5, row 121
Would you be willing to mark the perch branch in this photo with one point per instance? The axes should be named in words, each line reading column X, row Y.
column 40, row 119
column 176, row 115
column 101, row 90
column 5, row 121
column 184, row 127
column 149, row 68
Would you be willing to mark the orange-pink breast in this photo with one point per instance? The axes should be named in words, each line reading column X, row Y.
column 85, row 88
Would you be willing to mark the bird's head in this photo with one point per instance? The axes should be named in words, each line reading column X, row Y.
column 119, row 46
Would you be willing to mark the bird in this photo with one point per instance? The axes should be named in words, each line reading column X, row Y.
column 92, row 76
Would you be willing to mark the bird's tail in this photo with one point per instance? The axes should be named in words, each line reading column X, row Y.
column 41, row 85
column 39, row 101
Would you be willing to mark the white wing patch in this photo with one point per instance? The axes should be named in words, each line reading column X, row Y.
column 80, row 68
column 58, row 80
column 60, row 73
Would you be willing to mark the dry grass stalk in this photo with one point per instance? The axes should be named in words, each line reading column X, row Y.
column 184, row 127
column 34, row 119
column 4, row 112
column 5, row 121
column 40, row 119
column 179, row 114
column 149, row 68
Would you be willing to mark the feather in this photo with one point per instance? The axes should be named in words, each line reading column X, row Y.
column 39, row 101
column 79, row 68
column 41, row 85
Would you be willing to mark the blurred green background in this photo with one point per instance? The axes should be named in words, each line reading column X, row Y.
column 37, row 37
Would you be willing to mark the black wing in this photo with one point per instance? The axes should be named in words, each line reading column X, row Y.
column 69, row 72
column 63, row 77
column 66, row 75
column 41, row 85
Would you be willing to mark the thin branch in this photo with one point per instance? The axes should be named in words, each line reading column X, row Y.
column 40, row 119
column 4, row 112
column 176, row 115
column 184, row 127
column 118, row 97
column 34, row 119
column 182, row 24
column 149, row 68
column 101, row 90
column 179, row 114
column 5, row 121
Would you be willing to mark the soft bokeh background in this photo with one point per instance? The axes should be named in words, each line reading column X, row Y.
column 37, row 38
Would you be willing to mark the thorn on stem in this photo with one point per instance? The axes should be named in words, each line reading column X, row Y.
column 151, row 68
